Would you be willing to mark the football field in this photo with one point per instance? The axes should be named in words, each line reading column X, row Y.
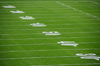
column 22, row 44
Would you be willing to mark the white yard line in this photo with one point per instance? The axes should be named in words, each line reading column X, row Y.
column 83, row 64
column 88, row 42
column 47, row 50
column 14, row 25
column 61, row 33
column 49, row 11
column 81, row 32
column 52, row 28
column 55, row 11
column 25, row 5
column 38, row 1
column 54, row 24
column 47, row 28
column 21, row 34
column 51, row 14
column 51, row 38
column 85, row 21
column 69, row 64
column 21, row 5
column 51, row 17
column 77, row 10
column 76, row 20
column 35, row 57
column 10, row 45
column 30, row 44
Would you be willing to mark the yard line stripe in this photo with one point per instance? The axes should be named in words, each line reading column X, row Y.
column 21, row 34
column 25, row 5
column 57, row 14
column 83, row 64
column 54, row 24
column 68, row 64
column 92, row 21
column 35, row 57
column 42, row 28
column 46, row 17
column 55, row 11
column 62, row 11
column 14, row 25
column 9, row 45
column 76, row 20
column 77, row 10
column 42, row 33
column 88, row 42
column 44, row 10
column 52, row 38
column 47, row 50
column 81, row 32
column 30, row 44
column 52, row 28
column 55, row 6
column 50, row 18
column 38, row 1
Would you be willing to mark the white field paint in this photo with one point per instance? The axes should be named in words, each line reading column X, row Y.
column 17, row 11
column 50, row 28
column 52, row 38
column 21, row 5
column 75, row 44
column 21, row 34
column 53, row 19
column 61, row 14
column 89, row 54
column 50, row 11
column 38, row 25
column 65, row 42
column 29, row 44
column 35, row 57
column 58, row 34
column 51, row 33
column 27, row 17
column 75, row 20
column 9, row 6
column 47, row 50
column 50, row 17
column 48, row 14
column 38, row 1
column 47, row 24
column 53, row 24
column 46, row 44
column 77, row 10
column 69, row 64
column 89, row 42
column 9, row 45
column 68, row 43
column 90, row 57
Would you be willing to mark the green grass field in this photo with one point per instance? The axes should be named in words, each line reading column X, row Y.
column 24, row 45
